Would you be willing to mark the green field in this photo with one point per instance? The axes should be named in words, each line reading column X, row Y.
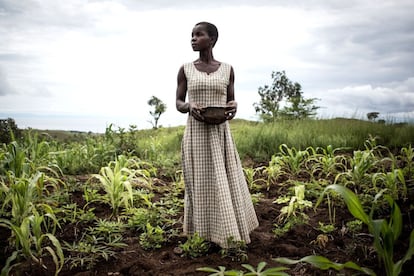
column 331, row 195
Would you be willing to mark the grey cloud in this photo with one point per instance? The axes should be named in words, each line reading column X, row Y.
column 371, row 46
column 392, row 98
column 5, row 88
column 46, row 14
column 191, row 4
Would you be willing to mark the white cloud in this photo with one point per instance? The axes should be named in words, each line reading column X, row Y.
column 5, row 88
column 391, row 100
column 107, row 58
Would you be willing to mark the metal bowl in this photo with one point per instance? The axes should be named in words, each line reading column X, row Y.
column 214, row 115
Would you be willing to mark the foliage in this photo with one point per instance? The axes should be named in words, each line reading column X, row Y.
column 116, row 180
column 325, row 264
column 110, row 231
column 152, row 238
column 29, row 242
column 253, row 180
column 139, row 217
column 271, row 98
column 15, row 161
column 87, row 252
column 36, row 186
column 372, row 115
column 296, row 203
column 83, row 157
column 385, row 233
column 290, row 160
column 221, row 271
column 9, row 130
column 299, row 108
column 159, row 108
column 195, row 246
column 326, row 162
column 281, row 229
column 260, row 141
column 251, row 271
column 236, row 250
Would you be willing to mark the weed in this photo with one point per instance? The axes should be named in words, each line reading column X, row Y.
column 236, row 250
column 195, row 246
column 88, row 252
column 152, row 238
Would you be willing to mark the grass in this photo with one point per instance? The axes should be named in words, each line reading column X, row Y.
column 297, row 150
column 259, row 141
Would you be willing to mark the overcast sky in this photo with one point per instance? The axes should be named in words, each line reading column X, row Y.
column 81, row 65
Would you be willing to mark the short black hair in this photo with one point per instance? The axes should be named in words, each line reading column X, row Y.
column 211, row 30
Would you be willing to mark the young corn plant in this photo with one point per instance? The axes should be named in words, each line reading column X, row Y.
column 359, row 175
column 292, row 160
column 252, row 180
column 273, row 171
column 385, row 232
column 407, row 154
column 296, row 203
column 393, row 182
column 116, row 182
column 15, row 160
column 22, row 195
column 37, row 149
column 30, row 242
column 326, row 162
column 324, row 263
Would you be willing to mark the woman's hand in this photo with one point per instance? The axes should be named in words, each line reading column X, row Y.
column 231, row 109
column 196, row 111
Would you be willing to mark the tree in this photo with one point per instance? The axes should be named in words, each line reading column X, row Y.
column 372, row 115
column 283, row 90
column 299, row 108
column 8, row 130
column 159, row 108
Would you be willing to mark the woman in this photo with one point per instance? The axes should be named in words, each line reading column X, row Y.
column 217, row 202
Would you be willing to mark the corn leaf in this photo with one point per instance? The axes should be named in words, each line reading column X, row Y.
column 351, row 200
column 407, row 256
column 325, row 264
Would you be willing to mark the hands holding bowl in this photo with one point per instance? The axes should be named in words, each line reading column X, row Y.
column 213, row 114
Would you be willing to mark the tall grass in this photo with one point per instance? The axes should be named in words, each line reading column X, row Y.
column 261, row 140
column 254, row 140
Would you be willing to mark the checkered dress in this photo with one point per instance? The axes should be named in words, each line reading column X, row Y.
column 217, row 200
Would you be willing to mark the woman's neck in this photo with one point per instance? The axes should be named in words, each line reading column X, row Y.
column 206, row 57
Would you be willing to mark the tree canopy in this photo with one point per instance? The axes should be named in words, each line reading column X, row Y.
column 159, row 108
column 283, row 99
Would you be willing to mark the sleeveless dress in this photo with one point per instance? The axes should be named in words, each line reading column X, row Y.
column 217, row 202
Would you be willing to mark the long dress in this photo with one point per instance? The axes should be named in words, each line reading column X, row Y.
column 217, row 202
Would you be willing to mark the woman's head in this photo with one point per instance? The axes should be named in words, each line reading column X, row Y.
column 211, row 30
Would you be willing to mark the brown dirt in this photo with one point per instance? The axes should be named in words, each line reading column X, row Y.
column 297, row 243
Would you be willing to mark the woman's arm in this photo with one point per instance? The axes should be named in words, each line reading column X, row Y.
column 231, row 103
column 180, row 103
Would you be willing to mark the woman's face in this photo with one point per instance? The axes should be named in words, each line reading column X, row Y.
column 200, row 40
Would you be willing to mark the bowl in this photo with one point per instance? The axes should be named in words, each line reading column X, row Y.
column 214, row 115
